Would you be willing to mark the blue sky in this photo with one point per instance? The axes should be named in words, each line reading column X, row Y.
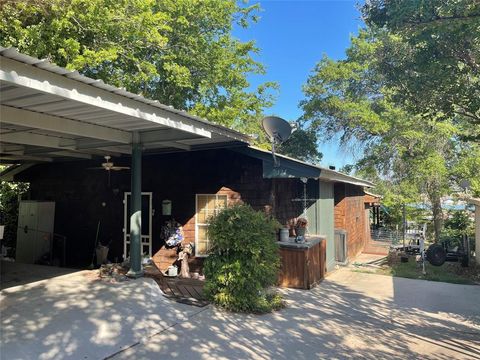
column 293, row 36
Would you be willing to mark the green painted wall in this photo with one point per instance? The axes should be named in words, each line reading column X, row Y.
column 321, row 221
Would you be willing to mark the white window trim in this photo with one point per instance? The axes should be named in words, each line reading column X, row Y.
column 196, row 220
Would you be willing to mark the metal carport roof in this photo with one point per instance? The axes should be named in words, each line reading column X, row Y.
column 49, row 113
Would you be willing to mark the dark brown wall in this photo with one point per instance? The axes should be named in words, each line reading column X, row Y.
column 349, row 215
column 79, row 194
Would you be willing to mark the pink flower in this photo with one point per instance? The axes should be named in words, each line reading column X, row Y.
column 301, row 223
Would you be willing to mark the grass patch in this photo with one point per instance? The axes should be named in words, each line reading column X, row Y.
column 449, row 272
column 445, row 273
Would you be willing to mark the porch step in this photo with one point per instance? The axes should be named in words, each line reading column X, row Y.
column 180, row 289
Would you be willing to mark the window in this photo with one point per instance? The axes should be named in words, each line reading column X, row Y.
column 207, row 205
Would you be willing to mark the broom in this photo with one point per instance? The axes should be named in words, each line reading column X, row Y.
column 92, row 266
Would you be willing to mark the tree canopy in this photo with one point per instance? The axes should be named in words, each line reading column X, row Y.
column 302, row 144
column 418, row 153
column 180, row 52
column 431, row 57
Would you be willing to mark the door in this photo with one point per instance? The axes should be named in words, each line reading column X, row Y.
column 313, row 207
column 326, row 221
column 146, row 237
column 35, row 230
column 26, row 233
column 25, row 250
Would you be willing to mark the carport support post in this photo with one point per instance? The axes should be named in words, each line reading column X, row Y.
column 477, row 231
column 136, row 210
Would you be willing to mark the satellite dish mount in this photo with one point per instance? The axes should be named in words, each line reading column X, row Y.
column 278, row 131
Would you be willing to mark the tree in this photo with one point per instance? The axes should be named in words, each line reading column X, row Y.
column 353, row 98
column 302, row 145
column 10, row 194
column 179, row 52
column 430, row 54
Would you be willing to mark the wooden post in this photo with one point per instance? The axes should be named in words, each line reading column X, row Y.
column 476, row 202
column 477, row 233
column 378, row 216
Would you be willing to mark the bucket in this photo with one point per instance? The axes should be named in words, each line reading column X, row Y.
column 172, row 270
column 102, row 254
column 284, row 234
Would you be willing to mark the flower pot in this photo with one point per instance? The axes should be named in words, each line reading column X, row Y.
column 300, row 231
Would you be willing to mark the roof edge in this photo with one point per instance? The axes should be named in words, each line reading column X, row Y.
column 73, row 75
column 325, row 173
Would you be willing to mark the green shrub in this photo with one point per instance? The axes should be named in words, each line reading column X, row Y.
column 243, row 261
column 10, row 194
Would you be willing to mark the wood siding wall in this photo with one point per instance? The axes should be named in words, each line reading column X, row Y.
column 350, row 215
column 80, row 193
column 302, row 268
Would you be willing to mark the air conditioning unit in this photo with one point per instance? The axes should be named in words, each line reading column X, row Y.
column 341, row 247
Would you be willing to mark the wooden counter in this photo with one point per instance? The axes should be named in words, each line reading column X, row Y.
column 302, row 264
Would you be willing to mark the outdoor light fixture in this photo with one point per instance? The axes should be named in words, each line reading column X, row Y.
column 167, row 207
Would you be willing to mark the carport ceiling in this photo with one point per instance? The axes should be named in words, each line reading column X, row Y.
column 49, row 113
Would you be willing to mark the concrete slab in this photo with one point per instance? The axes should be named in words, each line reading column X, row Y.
column 14, row 273
column 75, row 316
column 349, row 316
column 367, row 258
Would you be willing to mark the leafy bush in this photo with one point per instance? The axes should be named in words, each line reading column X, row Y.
column 243, row 261
column 456, row 226
column 10, row 194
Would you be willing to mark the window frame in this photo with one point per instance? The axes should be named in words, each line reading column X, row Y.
column 197, row 224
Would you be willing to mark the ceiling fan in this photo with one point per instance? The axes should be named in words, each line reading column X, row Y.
column 109, row 166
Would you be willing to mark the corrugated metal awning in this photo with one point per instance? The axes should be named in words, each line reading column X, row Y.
column 49, row 113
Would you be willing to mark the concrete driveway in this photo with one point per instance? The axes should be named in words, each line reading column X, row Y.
column 77, row 316
column 349, row 316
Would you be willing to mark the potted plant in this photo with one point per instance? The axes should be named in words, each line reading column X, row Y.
column 300, row 228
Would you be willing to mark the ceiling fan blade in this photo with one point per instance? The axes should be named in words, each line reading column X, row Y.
column 118, row 168
column 96, row 168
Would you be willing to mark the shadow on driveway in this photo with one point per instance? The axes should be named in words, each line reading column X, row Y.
column 77, row 316
column 349, row 316
column 15, row 274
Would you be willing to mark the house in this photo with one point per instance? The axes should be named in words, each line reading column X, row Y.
column 59, row 125
column 195, row 183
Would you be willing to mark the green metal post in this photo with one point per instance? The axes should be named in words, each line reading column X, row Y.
column 136, row 210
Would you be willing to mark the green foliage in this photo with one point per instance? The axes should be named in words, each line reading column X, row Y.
column 458, row 223
column 302, row 145
column 430, row 53
column 243, row 261
column 179, row 52
column 418, row 156
column 10, row 194
column 465, row 166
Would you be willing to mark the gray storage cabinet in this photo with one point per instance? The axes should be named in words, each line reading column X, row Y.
column 35, row 230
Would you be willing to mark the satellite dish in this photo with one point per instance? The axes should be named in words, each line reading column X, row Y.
column 278, row 130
